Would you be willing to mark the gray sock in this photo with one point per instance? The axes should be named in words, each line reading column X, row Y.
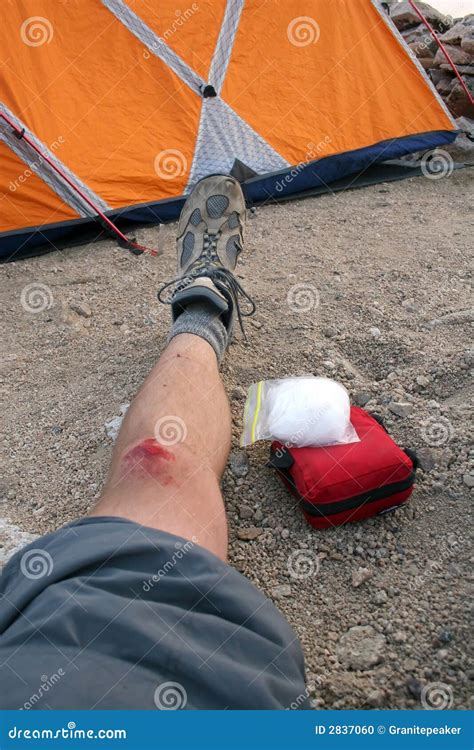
column 202, row 319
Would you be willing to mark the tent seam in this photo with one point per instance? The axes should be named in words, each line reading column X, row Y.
column 42, row 170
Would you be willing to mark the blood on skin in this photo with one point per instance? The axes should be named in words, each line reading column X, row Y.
column 150, row 458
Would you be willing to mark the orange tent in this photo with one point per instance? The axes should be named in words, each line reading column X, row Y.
column 116, row 107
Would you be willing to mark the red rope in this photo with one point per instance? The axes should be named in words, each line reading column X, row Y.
column 442, row 48
column 121, row 238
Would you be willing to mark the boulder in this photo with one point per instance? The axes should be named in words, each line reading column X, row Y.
column 239, row 464
column 457, row 54
column 445, row 83
column 467, row 44
column 420, row 41
column 401, row 408
column 457, row 100
column 415, row 34
column 460, row 30
column 361, row 648
column 426, row 62
column 404, row 16
column 463, row 145
column 465, row 70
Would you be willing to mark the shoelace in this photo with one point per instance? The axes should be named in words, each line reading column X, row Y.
column 209, row 265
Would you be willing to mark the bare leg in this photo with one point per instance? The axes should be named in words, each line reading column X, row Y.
column 173, row 447
column 175, row 439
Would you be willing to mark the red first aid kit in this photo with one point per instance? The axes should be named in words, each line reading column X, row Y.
column 342, row 483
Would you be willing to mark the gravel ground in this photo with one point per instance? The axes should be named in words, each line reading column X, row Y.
column 382, row 306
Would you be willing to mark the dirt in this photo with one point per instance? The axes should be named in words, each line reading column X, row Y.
column 382, row 305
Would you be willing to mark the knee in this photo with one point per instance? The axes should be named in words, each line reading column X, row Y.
column 166, row 464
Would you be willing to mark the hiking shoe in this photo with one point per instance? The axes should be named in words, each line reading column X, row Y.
column 210, row 240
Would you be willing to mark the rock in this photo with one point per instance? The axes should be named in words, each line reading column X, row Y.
column 12, row 539
column 455, row 35
column 423, row 381
column 245, row 512
column 425, row 49
column 468, row 480
column 457, row 100
column 410, row 305
column 445, row 636
column 361, row 648
column 427, row 458
column 285, row 534
column 380, row 597
column 426, row 62
column 414, row 687
column 458, row 56
column 404, row 16
column 401, row 408
column 467, row 72
column 376, row 697
column 409, row 665
column 444, row 84
column 278, row 592
column 81, row 308
column 248, row 535
column 375, row 332
column 454, row 318
column 330, row 332
column 360, row 576
column 361, row 398
column 467, row 45
column 415, row 33
column 239, row 464
column 469, row 357
column 329, row 365
column 113, row 426
column 238, row 394
column 399, row 636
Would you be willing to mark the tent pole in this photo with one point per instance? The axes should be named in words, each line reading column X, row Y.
column 121, row 238
column 442, row 48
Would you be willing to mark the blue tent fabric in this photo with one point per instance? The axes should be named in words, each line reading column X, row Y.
column 259, row 189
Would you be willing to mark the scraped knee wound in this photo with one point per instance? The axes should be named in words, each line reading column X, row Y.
column 149, row 459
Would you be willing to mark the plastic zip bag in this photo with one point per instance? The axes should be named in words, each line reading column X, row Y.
column 299, row 412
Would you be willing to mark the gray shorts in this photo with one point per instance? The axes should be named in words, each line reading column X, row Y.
column 107, row 614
